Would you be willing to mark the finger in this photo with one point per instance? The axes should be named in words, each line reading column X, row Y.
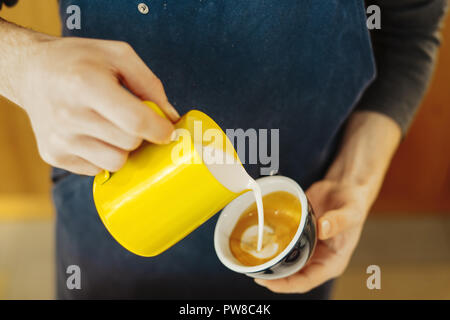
column 137, row 77
column 127, row 112
column 78, row 165
column 97, row 152
column 334, row 222
column 312, row 276
column 89, row 122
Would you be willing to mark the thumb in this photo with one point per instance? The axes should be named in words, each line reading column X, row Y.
column 334, row 222
column 139, row 79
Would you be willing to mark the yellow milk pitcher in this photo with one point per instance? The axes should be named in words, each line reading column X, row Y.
column 164, row 192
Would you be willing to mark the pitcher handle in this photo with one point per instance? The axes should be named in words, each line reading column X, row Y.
column 104, row 175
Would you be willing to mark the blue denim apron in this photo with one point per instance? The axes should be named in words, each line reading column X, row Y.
column 299, row 66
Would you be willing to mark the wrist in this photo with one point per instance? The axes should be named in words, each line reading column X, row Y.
column 368, row 145
column 352, row 171
column 361, row 194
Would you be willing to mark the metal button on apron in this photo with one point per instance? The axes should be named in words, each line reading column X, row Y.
column 143, row 8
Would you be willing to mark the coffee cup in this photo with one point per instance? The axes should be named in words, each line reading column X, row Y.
column 293, row 257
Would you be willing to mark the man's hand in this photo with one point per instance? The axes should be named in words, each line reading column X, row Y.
column 343, row 199
column 73, row 91
column 341, row 211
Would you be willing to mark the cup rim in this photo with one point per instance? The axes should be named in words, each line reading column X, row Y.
column 253, row 269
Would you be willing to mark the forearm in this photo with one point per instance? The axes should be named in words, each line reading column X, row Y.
column 17, row 45
column 369, row 142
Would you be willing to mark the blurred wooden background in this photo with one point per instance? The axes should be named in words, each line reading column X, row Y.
column 24, row 177
column 418, row 181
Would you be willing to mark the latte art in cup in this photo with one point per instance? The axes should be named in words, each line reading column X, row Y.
column 269, row 246
column 282, row 213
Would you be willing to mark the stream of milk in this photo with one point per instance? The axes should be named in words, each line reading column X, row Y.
column 232, row 175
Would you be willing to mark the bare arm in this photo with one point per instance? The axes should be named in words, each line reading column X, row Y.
column 369, row 143
column 72, row 90
column 16, row 44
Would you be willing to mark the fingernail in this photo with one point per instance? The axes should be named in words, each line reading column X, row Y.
column 259, row 281
column 165, row 137
column 174, row 115
column 169, row 139
column 326, row 227
column 174, row 136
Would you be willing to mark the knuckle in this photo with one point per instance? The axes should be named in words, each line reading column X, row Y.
column 79, row 76
column 117, row 160
column 53, row 139
column 275, row 290
column 156, row 85
column 138, row 123
column 92, row 171
column 96, row 171
column 360, row 217
column 63, row 114
column 132, row 144
column 303, row 290
column 46, row 156
column 56, row 141
column 339, row 272
column 124, row 48
column 49, row 157
column 341, row 221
